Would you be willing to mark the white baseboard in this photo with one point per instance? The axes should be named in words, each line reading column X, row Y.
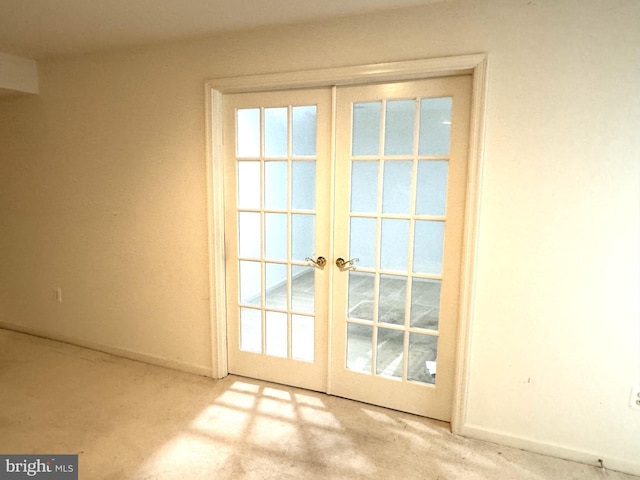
column 550, row 449
column 119, row 352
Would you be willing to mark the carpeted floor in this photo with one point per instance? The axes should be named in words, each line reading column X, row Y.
column 128, row 420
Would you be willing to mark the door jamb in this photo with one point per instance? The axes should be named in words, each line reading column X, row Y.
column 215, row 89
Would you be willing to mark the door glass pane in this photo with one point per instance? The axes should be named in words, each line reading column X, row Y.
column 425, row 303
column 366, row 128
column 302, row 337
column 248, row 144
column 362, row 241
column 304, row 131
column 249, row 234
column 395, row 238
column 392, row 298
column 431, row 195
column 302, row 236
column 361, row 295
column 250, row 330
column 250, row 282
column 396, row 187
column 276, row 334
column 303, row 289
column 364, row 187
column 435, row 126
column 390, row 352
column 428, row 247
column 249, row 185
column 423, row 351
column 276, row 291
column 275, row 132
column 359, row 340
column 275, row 233
column 275, row 185
column 303, row 185
column 398, row 135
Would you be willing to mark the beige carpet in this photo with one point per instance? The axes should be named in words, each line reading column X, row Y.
column 129, row 420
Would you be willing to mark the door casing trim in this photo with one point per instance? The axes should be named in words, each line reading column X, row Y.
column 215, row 89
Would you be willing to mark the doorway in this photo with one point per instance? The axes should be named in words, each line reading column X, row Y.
column 362, row 340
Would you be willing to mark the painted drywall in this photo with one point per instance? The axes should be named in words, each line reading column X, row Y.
column 18, row 75
column 103, row 193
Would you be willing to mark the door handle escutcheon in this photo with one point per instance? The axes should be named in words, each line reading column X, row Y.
column 319, row 262
column 342, row 263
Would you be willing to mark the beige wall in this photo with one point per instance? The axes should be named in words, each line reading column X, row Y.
column 103, row 193
column 18, row 75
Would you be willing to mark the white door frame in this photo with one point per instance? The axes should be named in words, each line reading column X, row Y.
column 476, row 65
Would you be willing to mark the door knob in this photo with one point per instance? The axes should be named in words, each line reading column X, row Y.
column 319, row 262
column 342, row 263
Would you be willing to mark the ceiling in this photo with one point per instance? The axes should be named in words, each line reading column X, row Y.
column 47, row 28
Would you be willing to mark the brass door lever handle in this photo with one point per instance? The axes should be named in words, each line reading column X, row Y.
column 342, row 263
column 319, row 262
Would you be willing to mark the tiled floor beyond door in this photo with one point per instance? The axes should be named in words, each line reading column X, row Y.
column 424, row 313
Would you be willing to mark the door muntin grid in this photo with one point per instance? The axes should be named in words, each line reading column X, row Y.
column 276, row 179
column 399, row 172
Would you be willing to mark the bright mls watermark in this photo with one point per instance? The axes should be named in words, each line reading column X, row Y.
column 50, row 467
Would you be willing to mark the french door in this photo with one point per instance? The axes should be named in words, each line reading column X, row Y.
column 277, row 183
column 343, row 238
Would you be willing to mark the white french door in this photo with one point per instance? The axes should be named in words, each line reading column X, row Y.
column 343, row 273
column 277, row 182
column 401, row 179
